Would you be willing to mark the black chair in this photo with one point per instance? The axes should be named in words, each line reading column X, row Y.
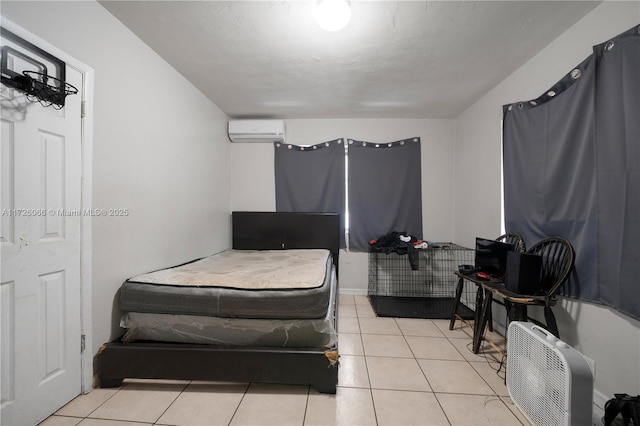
column 515, row 240
column 558, row 258
column 518, row 245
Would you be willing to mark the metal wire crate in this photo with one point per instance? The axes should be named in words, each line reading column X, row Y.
column 395, row 289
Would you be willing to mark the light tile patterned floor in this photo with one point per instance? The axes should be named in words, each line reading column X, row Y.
column 393, row 371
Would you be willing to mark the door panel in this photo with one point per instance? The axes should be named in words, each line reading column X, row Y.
column 52, row 185
column 7, row 326
column 40, row 290
column 6, row 174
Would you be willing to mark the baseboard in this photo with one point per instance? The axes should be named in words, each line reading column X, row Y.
column 599, row 399
column 353, row 291
column 499, row 328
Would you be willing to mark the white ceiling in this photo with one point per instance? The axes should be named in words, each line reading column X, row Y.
column 395, row 59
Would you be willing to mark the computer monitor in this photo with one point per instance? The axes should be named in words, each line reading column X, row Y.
column 491, row 256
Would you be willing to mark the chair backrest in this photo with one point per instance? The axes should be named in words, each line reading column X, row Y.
column 558, row 258
column 515, row 240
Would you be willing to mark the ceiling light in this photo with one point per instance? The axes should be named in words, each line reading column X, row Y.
column 333, row 15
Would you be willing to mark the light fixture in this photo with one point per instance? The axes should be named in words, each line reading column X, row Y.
column 333, row 15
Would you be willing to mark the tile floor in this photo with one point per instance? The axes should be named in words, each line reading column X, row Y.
column 393, row 371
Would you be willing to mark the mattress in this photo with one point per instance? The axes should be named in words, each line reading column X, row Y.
column 273, row 284
column 285, row 333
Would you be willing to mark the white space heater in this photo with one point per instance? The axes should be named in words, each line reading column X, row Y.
column 549, row 381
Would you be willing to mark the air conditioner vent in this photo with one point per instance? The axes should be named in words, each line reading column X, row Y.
column 260, row 131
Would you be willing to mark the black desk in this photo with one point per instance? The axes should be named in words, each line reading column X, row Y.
column 484, row 299
column 515, row 303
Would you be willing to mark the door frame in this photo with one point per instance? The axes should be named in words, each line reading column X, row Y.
column 86, row 193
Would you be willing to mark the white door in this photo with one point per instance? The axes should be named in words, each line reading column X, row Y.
column 40, row 243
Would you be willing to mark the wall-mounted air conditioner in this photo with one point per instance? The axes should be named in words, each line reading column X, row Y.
column 267, row 131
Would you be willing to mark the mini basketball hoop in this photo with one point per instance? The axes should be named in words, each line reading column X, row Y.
column 27, row 68
column 47, row 90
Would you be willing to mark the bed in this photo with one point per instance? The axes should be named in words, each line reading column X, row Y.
column 197, row 329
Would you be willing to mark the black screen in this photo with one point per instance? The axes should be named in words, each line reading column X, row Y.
column 491, row 256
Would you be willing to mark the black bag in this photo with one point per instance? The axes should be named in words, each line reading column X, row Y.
column 628, row 406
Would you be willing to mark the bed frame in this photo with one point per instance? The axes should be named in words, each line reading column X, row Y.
column 318, row 367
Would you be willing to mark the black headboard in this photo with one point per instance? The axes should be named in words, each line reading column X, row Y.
column 286, row 230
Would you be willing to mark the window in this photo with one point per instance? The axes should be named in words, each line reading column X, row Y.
column 383, row 185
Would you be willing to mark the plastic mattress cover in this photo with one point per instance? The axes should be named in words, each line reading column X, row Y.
column 140, row 294
column 300, row 333
column 291, row 269
column 286, row 333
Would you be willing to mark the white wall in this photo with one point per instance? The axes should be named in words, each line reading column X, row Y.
column 611, row 339
column 253, row 184
column 160, row 150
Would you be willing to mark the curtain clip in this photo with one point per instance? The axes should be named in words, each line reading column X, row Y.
column 609, row 46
